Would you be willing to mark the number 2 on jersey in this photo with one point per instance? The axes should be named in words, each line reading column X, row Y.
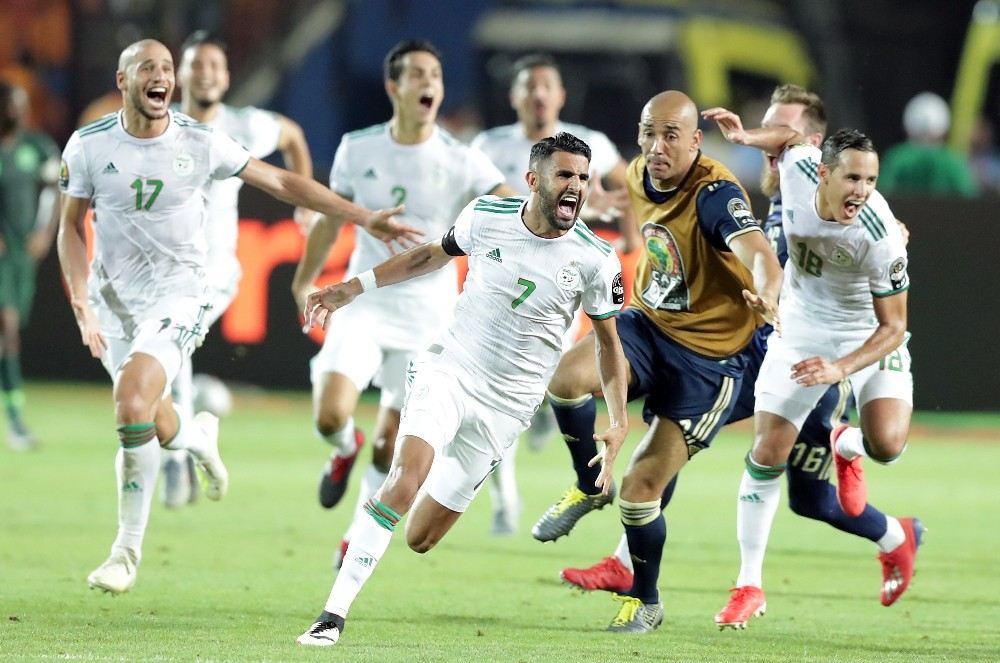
column 399, row 192
column 529, row 287
column 137, row 184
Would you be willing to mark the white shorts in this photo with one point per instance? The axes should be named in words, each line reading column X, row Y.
column 356, row 346
column 169, row 334
column 776, row 392
column 220, row 298
column 469, row 438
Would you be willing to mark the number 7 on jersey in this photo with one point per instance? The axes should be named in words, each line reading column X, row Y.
column 529, row 287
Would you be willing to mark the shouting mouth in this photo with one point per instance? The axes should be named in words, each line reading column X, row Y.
column 157, row 96
column 566, row 208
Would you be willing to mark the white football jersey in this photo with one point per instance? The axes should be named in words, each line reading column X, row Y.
column 833, row 269
column 434, row 179
column 509, row 148
column 520, row 296
column 258, row 131
column 148, row 196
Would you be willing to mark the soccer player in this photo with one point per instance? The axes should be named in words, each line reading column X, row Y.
column 143, row 307
column 705, row 280
column 537, row 96
column 809, row 490
column 411, row 159
column 532, row 263
column 843, row 309
column 29, row 165
column 203, row 76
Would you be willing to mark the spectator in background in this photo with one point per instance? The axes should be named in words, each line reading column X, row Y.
column 984, row 157
column 923, row 165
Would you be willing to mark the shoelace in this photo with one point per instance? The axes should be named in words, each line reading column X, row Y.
column 570, row 498
column 319, row 627
column 627, row 612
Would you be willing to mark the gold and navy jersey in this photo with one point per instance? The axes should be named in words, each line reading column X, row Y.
column 687, row 280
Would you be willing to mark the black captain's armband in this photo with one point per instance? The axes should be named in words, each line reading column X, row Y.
column 449, row 244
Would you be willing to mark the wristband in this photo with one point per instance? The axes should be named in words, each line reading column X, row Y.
column 367, row 280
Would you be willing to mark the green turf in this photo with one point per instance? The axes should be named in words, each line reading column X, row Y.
column 239, row 580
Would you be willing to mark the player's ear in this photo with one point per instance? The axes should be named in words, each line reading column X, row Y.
column 391, row 88
column 696, row 140
column 120, row 80
column 531, row 177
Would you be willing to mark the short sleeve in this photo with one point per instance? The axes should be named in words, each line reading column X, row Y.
column 724, row 213
column 484, row 175
column 887, row 262
column 340, row 175
column 462, row 231
column 605, row 294
column 798, row 169
column 604, row 156
column 74, row 178
column 265, row 132
column 226, row 157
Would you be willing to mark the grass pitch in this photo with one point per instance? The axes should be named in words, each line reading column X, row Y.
column 239, row 580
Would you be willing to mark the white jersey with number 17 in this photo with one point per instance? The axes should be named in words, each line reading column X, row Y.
column 833, row 269
column 520, row 296
column 148, row 196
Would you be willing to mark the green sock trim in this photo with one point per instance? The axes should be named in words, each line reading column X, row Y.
column 381, row 514
column 763, row 472
column 136, row 435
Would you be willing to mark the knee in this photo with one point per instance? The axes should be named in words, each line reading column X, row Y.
column 132, row 408
column 329, row 420
column 420, row 542
column 887, row 449
column 569, row 381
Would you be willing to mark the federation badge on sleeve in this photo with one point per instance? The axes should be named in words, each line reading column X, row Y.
column 618, row 290
column 897, row 274
column 63, row 174
column 740, row 211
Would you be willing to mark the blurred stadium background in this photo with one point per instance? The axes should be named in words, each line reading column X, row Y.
column 319, row 62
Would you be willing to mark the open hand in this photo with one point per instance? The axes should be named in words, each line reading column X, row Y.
column 613, row 438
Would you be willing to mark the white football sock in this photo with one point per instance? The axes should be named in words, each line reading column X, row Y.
column 851, row 444
column 894, row 535
column 182, row 388
column 621, row 552
column 343, row 441
column 136, row 469
column 755, row 508
column 190, row 436
column 367, row 547
column 372, row 481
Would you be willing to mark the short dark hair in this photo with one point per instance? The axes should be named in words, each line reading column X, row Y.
column 561, row 142
column 531, row 61
column 845, row 139
column 814, row 112
column 203, row 38
column 392, row 66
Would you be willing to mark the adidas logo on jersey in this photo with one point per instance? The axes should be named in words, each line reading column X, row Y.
column 370, row 174
column 110, row 169
column 494, row 255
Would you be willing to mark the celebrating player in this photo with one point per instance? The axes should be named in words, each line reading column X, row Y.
column 411, row 159
column 705, row 280
column 144, row 307
column 537, row 95
column 843, row 309
column 532, row 264
column 203, row 76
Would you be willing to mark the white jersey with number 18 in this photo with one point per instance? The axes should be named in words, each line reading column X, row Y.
column 520, row 296
column 833, row 269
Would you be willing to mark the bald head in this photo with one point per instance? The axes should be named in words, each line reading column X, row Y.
column 674, row 105
column 139, row 51
column 669, row 136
